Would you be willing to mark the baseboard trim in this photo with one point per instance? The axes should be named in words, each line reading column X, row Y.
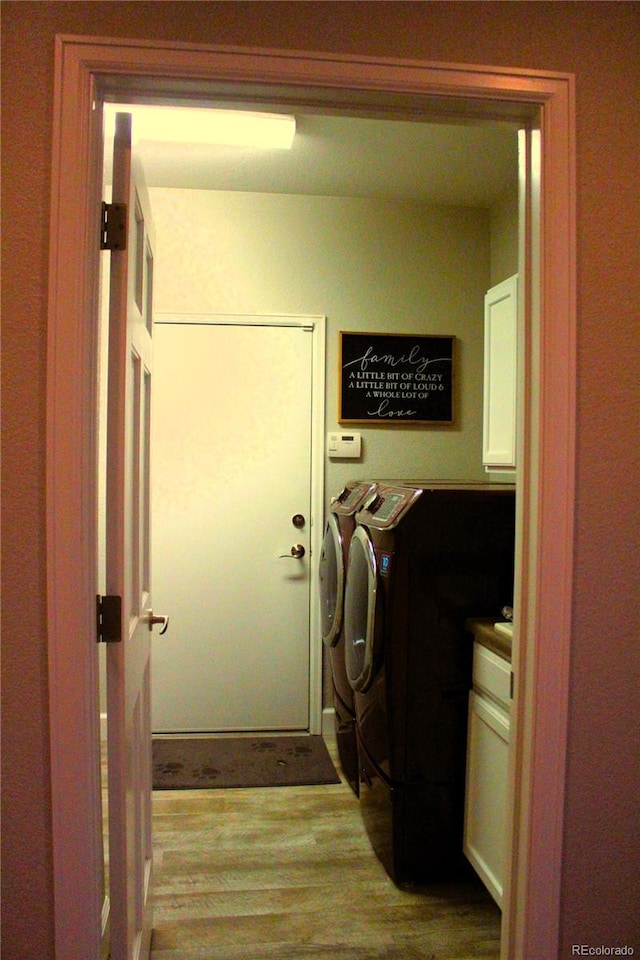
column 328, row 721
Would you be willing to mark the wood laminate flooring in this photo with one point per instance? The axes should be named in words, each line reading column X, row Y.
column 288, row 873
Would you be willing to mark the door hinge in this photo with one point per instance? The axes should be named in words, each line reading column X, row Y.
column 108, row 619
column 113, row 226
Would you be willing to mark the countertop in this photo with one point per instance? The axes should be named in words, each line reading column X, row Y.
column 483, row 631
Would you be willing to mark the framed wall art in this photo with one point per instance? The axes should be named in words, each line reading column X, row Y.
column 395, row 378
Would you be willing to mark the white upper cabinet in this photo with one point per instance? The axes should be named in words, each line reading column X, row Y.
column 500, row 345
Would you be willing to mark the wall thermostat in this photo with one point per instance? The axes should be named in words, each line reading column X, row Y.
column 345, row 445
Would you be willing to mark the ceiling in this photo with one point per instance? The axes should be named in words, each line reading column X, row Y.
column 454, row 164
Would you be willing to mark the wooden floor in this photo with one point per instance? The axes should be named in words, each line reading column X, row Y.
column 288, row 873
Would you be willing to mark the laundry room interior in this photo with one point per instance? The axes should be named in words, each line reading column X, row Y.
column 368, row 263
column 378, row 246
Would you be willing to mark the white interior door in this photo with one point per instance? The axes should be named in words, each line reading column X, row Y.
column 127, row 561
column 231, row 451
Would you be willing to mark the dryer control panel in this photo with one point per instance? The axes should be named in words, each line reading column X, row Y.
column 388, row 507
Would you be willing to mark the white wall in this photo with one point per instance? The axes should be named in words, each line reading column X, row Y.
column 386, row 266
column 504, row 237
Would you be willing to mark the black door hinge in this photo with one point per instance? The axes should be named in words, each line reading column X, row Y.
column 113, row 226
column 108, row 619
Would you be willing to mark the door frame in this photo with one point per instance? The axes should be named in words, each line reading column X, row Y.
column 86, row 70
column 316, row 325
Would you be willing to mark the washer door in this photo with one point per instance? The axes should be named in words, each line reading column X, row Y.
column 360, row 612
column 331, row 582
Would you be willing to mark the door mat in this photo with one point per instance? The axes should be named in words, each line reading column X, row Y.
column 187, row 763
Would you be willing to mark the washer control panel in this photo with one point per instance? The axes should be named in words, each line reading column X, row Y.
column 352, row 498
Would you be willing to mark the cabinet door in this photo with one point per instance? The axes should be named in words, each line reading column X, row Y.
column 500, row 340
column 486, row 792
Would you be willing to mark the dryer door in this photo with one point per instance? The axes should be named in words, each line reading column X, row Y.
column 331, row 575
column 361, row 629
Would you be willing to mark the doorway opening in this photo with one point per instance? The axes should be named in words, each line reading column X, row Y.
column 545, row 603
column 405, row 181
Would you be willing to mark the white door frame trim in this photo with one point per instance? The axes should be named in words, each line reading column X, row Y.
column 86, row 68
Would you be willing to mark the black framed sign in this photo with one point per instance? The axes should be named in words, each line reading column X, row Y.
column 396, row 378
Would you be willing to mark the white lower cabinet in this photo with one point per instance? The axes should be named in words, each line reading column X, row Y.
column 487, row 759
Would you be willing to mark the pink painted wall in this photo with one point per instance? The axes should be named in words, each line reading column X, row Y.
column 596, row 41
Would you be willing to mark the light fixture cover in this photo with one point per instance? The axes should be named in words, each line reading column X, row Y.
column 238, row 128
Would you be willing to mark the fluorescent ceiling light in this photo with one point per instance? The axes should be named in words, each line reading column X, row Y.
column 236, row 128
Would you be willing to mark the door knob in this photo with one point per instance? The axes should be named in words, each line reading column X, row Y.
column 152, row 620
column 297, row 552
